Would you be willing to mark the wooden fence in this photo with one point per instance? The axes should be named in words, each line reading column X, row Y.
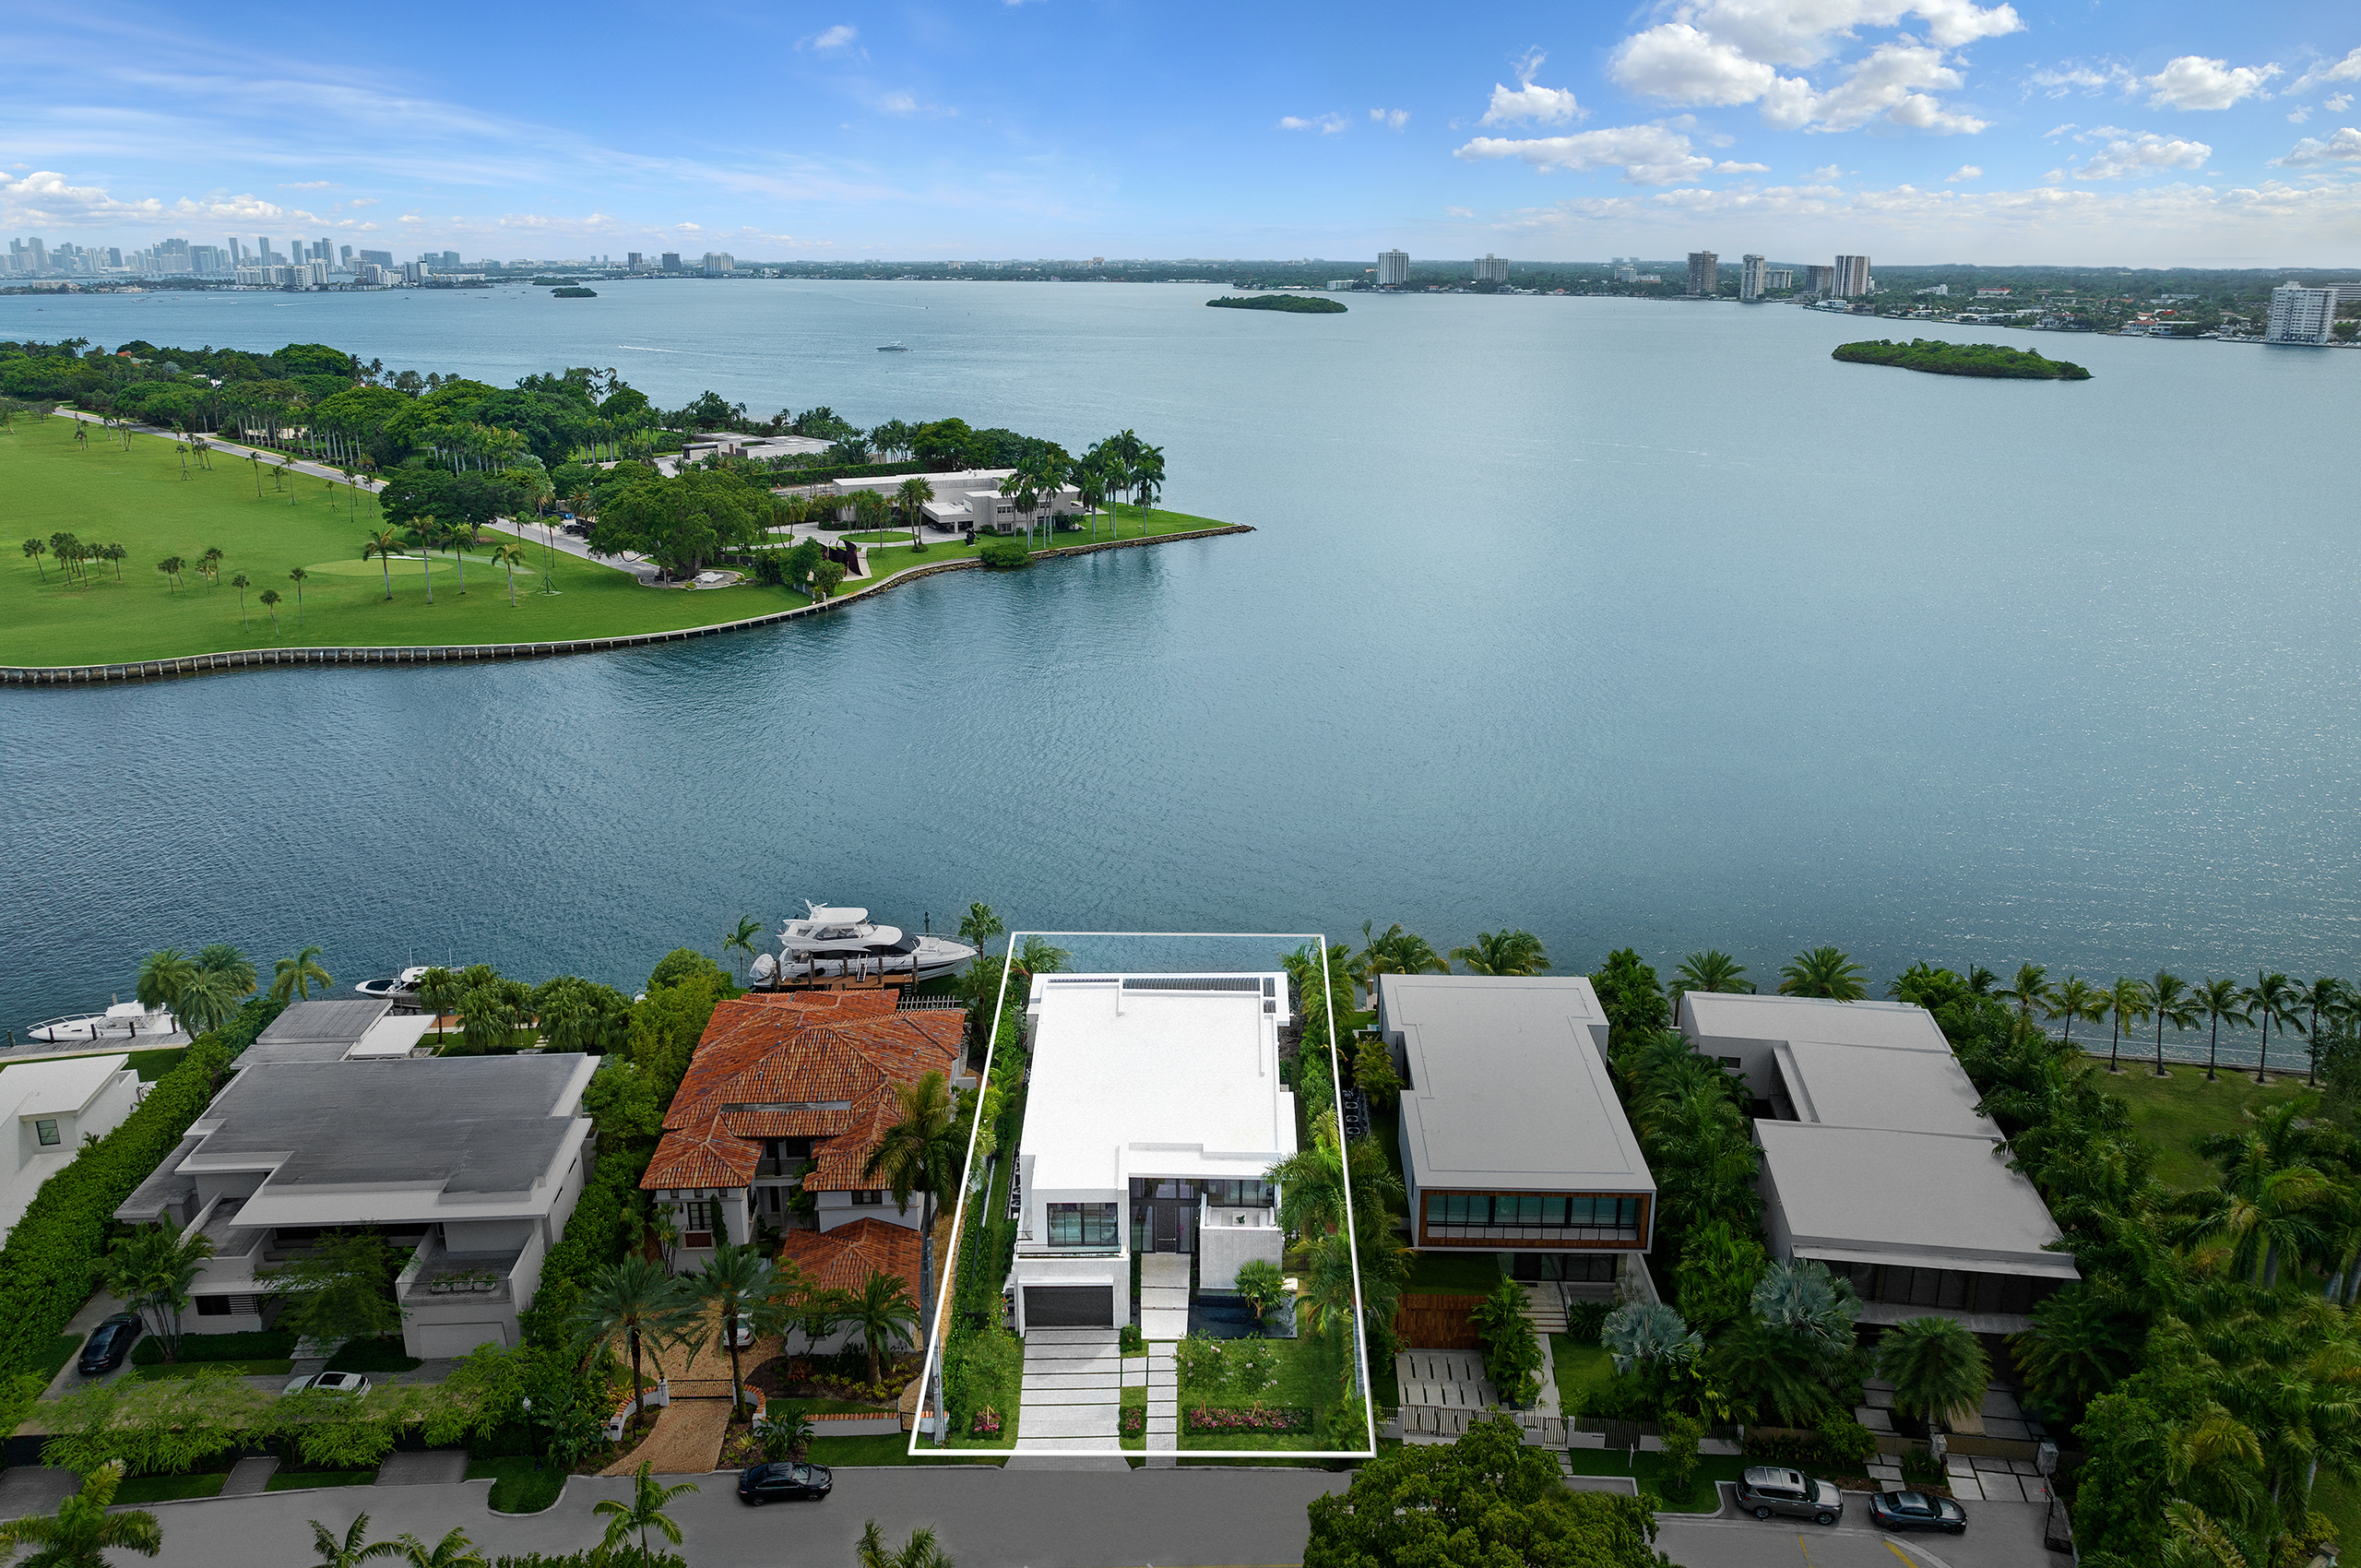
column 1438, row 1322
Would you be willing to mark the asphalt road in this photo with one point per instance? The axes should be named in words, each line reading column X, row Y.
column 1999, row 1535
column 986, row 1518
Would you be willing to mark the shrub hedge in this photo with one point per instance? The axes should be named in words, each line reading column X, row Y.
column 52, row 1258
column 268, row 1344
column 595, row 1236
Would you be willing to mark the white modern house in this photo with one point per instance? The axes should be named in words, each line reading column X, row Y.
column 1155, row 1109
column 474, row 1163
column 967, row 497
column 1513, row 1139
column 55, row 1105
column 1876, row 1161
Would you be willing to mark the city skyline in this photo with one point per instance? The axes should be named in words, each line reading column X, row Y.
column 1936, row 131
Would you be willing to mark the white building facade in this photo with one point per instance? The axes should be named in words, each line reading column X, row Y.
column 2301, row 316
column 57, row 1104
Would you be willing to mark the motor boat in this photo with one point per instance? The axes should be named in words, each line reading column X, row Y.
column 399, row 987
column 833, row 943
column 896, row 347
column 121, row 1020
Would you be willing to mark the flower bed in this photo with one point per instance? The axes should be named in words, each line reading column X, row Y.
column 1134, row 1420
column 1257, row 1417
column 986, row 1425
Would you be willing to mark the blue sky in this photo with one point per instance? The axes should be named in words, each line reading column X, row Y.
column 2161, row 133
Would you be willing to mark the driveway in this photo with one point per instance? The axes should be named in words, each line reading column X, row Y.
column 986, row 1518
column 1999, row 1535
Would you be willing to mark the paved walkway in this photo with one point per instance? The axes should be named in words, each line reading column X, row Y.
column 1072, row 1398
column 1164, row 1296
column 251, row 1478
column 1163, row 1399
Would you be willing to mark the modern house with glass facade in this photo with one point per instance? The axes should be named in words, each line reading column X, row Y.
column 1513, row 1139
column 1154, row 1109
column 1876, row 1162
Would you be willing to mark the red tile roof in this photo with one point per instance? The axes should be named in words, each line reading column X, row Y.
column 843, row 1259
column 797, row 1064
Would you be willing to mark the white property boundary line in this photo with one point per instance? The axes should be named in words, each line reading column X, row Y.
column 929, row 1371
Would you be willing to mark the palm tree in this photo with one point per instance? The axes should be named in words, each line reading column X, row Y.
column 508, row 555
column 884, row 1314
column 1778, row 1373
column 383, row 544
column 1937, row 1368
column 1395, row 952
column 914, row 494
column 207, row 1000
column 738, row 1282
column 2218, row 1000
column 172, row 566
column 2030, row 990
column 115, row 554
column 36, row 549
column 82, row 1532
column 162, row 976
column 2126, row 1001
column 1503, row 953
column 462, row 537
column 269, row 598
column 1823, row 972
column 631, row 1303
column 426, row 533
column 1712, row 970
column 295, row 977
column 2081, row 1345
column 1147, row 480
column 440, row 989
column 979, row 925
column 296, row 574
column 353, row 1548
column 210, row 565
column 2076, row 1000
column 455, row 1551
column 2168, row 999
column 2328, row 996
column 152, row 1269
column 643, row 1512
column 742, row 939
column 920, row 1153
column 2266, row 1211
column 2274, row 999
column 921, row 1550
column 242, row 582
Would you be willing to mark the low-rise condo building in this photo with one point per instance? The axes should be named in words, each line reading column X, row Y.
column 1154, row 1110
column 57, row 1104
column 1876, row 1162
column 1513, row 1139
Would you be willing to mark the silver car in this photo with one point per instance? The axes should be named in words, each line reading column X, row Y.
column 1766, row 1489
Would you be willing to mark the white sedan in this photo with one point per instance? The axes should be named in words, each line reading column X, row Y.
column 330, row 1382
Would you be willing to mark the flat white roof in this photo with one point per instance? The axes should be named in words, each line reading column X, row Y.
column 1508, row 1085
column 1867, row 1194
column 51, row 1089
column 1155, row 1075
column 1894, row 1025
column 1869, row 1085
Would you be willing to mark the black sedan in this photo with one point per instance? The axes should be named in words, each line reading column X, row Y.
column 109, row 1344
column 1917, row 1510
column 784, row 1483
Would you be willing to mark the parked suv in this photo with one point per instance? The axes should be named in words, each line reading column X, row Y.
column 109, row 1344
column 1766, row 1489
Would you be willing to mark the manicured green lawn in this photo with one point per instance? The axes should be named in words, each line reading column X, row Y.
column 1134, row 1399
column 297, row 1480
column 138, row 498
column 1584, row 1372
column 516, row 1486
column 1702, row 1496
column 2174, row 1111
column 169, row 1488
column 883, row 1448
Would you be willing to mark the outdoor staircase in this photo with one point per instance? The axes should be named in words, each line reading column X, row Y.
column 1544, row 1307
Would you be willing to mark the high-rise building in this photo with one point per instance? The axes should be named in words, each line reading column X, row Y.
column 1704, row 274
column 631, row 261
column 1392, row 269
column 40, row 254
column 1851, row 278
column 2301, row 316
column 1775, row 278
column 672, row 261
column 262, row 250
column 1491, row 268
column 1816, row 279
column 344, row 257
column 1749, row 278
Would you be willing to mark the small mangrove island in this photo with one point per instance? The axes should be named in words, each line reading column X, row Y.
column 574, row 293
column 1938, row 358
column 1302, row 305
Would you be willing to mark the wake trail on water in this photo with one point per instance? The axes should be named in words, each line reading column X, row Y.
column 642, row 348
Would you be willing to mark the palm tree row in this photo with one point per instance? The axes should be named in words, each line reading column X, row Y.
column 2273, row 1000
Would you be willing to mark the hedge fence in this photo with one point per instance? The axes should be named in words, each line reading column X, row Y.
column 54, row 1257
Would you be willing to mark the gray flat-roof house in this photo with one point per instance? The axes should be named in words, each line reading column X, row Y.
column 354, row 1028
column 1876, row 1161
column 1512, row 1138
column 474, row 1163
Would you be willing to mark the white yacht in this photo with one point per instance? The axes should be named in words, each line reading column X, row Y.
column 829, row 943
column 402, row 988
column 121, row 1020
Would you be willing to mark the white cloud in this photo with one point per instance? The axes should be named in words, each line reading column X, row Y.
column 2302, row 113
column 1966, row 172
column 905, row 102
column 2344, row 146
column 2339, row 104
column 1828, row 171
column 1724, row 52
column 2076, row 77
column 1543, row 105
column 2194, row 82
column 2127, row 155
column 1648, row 155
column 2326, row 71
column 303, row 185
column 838, row 36
column 2059, row 130
column 1726, row 167
column 1326, row 124
column 1392, row 119
column 1460, row 212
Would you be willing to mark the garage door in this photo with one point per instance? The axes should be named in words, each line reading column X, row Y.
column 1068, row 1306
column 439, row 1339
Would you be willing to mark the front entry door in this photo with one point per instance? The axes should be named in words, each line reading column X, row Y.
column 1167, row 1228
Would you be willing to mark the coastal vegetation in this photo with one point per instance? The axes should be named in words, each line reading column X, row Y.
column 1936, row 357
column 574, row 293
column 1296, row 304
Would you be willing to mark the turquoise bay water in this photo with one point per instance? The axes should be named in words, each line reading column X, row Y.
column 1626, row 622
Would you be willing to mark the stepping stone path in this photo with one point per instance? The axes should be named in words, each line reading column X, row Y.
column 1163, row 1399
column 1164, row 1296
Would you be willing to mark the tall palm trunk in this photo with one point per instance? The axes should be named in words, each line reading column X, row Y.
column 426, row 564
